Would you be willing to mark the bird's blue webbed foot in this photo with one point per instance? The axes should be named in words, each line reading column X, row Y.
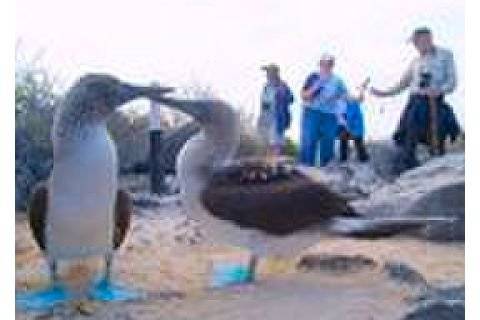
column 43, row 299
column 105, row 290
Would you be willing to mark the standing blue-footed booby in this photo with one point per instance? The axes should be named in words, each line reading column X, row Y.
column 299, row 201
column 209, row 151
column 80, row 210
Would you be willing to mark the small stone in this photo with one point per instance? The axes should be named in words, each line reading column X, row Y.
column 403, row 273
column 336, row 263
column 85, row 308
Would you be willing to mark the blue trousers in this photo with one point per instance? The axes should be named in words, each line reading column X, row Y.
column 317, row 128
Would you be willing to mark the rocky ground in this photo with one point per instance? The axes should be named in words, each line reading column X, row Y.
column 400, row 277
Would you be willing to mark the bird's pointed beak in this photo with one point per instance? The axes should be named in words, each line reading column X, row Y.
column 198, row 109
column 128, row 92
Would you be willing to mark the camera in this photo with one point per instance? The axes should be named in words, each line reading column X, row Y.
column 425, row 80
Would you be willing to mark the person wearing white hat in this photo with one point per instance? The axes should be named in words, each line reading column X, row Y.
column 324, row 96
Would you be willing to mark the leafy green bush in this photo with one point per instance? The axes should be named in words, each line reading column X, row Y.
column 35, row 103
column 291, row 148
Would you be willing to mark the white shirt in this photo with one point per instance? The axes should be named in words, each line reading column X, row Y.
column 439, row 64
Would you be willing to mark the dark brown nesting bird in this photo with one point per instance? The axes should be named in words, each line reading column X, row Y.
column 278, row 200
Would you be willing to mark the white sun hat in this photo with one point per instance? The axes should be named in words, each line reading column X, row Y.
column 326, row 56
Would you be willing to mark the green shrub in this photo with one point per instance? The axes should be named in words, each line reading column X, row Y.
column 35, row 103
column 291, row 148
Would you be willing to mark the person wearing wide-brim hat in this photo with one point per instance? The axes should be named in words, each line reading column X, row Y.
column 275, row 117
column 323, row 94
column 427, row 117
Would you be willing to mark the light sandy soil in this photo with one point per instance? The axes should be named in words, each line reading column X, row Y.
column 153, row 260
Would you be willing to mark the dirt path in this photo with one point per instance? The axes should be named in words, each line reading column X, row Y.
column 303, row 297
column 150, row 260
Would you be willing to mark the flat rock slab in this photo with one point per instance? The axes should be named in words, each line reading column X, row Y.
column 372, row 228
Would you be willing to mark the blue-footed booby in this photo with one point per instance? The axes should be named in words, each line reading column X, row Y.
column 211, row 153
column 80, row 211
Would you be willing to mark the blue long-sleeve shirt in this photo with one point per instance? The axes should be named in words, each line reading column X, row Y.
column 327, row 93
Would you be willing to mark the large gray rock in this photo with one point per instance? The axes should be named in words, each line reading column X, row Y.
column 427, row 201
column 434, row 191
column 357, row 180
column 445, row 303
column 440, row 179
column 438, row 310
column 351, row 180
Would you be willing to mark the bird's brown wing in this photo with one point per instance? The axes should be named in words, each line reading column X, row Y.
column 37, row 213
column 123, row 215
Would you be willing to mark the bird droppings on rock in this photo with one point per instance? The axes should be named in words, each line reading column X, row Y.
column 278, row 200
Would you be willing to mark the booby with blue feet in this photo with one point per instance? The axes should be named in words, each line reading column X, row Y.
column 80, row 210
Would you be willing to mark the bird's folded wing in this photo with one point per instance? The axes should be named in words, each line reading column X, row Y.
column 37, row 213
column 123, row 215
